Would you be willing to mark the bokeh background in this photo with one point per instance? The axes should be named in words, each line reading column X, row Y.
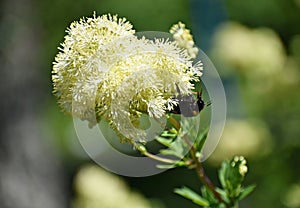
column 255, row 46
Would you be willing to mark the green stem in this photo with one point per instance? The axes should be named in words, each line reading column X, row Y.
column 199, row 169
column 201, row 173
column 236, row 205
column 175, row 123
column 161, row 159
column 144, row 151
column 232, row 204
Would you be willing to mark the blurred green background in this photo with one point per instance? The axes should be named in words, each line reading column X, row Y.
column 255, row 46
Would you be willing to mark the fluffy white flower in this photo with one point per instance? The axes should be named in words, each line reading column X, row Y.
column 72, row 66
column 104, row 71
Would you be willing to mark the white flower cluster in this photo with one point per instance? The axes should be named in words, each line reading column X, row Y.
column 104, row 71
column 243, row 169
column 184, row 39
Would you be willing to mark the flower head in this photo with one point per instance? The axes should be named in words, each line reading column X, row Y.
column 242, row 164
column 82, row 42
column 184, row 38
column 105, row 71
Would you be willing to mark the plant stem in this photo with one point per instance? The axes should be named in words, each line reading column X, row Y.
column 201, row 173
column 199, row 169
column 175, row 123
column 142, row 149
column 161, row 159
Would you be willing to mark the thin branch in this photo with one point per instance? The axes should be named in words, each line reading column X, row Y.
column 142, row 149
column 199, row 169
column 201, row 173
column 175, row 123
column 161, row 159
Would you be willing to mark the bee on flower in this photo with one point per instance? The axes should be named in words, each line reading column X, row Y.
column 104, row 71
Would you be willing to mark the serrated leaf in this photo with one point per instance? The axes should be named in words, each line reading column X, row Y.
column 246, row 191
column 191, row 195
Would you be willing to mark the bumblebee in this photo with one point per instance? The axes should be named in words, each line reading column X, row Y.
column 188, row 105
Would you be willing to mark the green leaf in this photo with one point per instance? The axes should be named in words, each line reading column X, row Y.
column 230, row 176
column 170, row 152
column 223, row 194
column 208, row 195
column 246, row 191
column 190, row 127
column 177, row 147
column 222, row 173
column 168, row 134
column 191, row 195
column 166, row 166
column 164, row 141
column 179, row 163
column 201, row 138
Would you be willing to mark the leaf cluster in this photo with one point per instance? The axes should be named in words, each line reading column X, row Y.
column 231, row 191
column 231, row 174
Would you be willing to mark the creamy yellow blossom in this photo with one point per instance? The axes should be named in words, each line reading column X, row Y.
column 97, row 188
column 82, row 42
column 105, row 71
column 184, row 38
column 291, row 196
column 243, row 136
column 257, row 51
column 243, row 169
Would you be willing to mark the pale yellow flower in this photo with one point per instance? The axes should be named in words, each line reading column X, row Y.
column 291, row 196
column 143, row 82
column 243, row 169
column 97, row 188
column 104, row 71
column 248, row 137
column 184, row 39
column 82, row 42
column 256, row 51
